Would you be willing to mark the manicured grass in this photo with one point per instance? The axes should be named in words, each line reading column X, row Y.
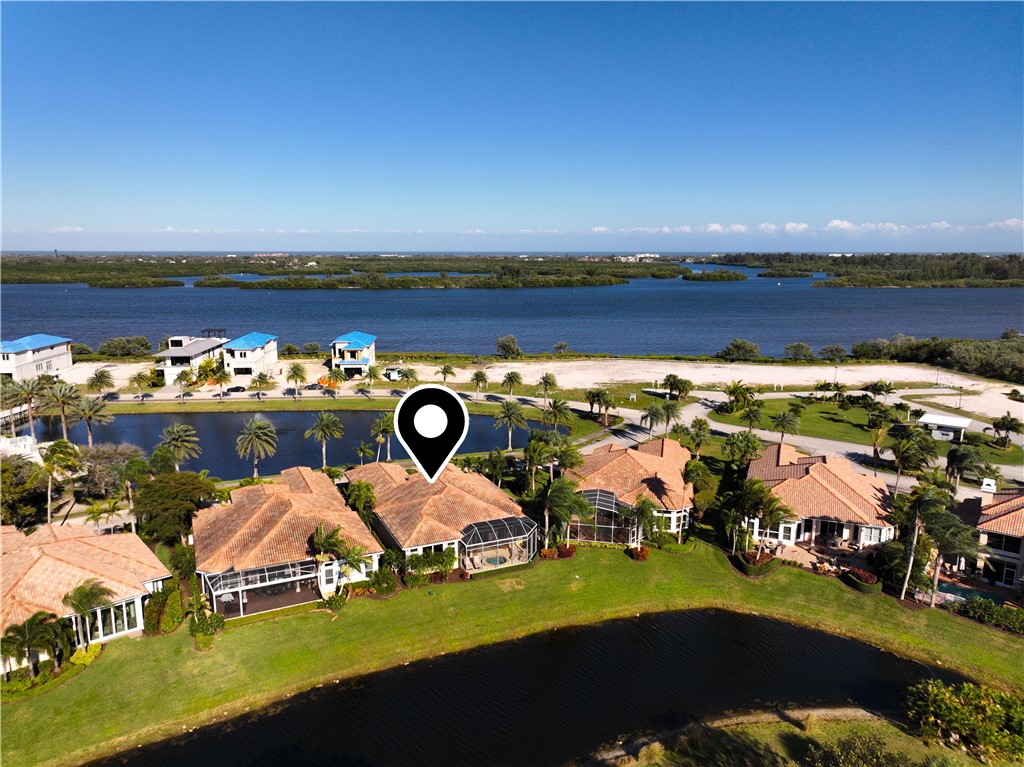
column 143, row 689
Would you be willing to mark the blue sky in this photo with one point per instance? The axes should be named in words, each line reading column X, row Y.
column 433, row 126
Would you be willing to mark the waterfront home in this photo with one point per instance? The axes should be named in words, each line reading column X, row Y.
column 255, row 554
column 612, row 478
column 186, row 352
column 948, row 428
column 39, row 569
column 999, row 519
column 461, row 510
column 250, row 355
column 833, row 503
column 354, row 352
column 34, row 355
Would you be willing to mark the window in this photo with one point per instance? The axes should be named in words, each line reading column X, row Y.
column 1008, row 543
column 107, row 621
column 118, row 611
column 39, row 367
column 132, row 621
column 871, row 535
column 7, row 357
column 49, row 365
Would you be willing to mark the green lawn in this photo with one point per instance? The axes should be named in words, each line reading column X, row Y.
column 143, row 689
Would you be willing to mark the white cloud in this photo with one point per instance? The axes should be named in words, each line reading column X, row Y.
column 1009, row 224
column 795, row 228
column 714, row 228
column 600, row 230
column 67, row 229
column 767, row 228
column 942, row 226
column 841, row 224
column 739, row 228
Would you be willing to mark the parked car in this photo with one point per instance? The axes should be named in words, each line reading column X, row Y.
column 314, row 387
column 235, row 390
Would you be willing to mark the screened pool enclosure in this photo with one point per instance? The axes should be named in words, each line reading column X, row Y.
column 498, row 543
column 612, row 521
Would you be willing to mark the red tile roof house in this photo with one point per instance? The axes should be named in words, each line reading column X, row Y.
column 612, row 477
column 830, row 498
column 461, row 510
column 39, row 569
column 253, row 554
column 1001, row 528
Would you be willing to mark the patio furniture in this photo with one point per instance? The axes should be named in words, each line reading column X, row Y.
column 224, row 598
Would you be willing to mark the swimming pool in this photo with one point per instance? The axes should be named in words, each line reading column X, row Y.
column 965, row 593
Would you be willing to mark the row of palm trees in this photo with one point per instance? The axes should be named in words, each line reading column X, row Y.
column 52, row 397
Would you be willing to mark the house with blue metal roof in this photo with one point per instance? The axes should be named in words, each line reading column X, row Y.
column 354, row 353
column 251, row 354
column 34, row 355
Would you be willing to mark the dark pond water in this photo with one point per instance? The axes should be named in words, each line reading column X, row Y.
column 218, row 431
column 642, row 317
column 548, row 699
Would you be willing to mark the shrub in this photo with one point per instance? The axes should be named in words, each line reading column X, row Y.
column 988, row 612
column 639, row 554
column 153, row 612
column 416, row 579
column 748, row 569
column 566, row 551
column 863, row 575
column 207, row 625
column 173, row 614
column 987, row 723
column 384, row 582
column 650, row 755
column 84, row 656
column 868, row 584
column 757, row 559
column 335, row 601
column 549, row 553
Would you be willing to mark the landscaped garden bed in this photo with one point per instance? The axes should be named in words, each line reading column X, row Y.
column 756, row 564
column 862, row 581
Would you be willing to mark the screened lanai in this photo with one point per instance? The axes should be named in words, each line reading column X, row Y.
column 498, row 543
column 611, row 522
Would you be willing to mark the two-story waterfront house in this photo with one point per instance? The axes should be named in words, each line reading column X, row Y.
column 250, row 355
column 34, row 355
column 186, row 352
column 354, row 352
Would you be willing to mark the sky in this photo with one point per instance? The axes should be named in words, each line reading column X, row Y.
column 637, row 127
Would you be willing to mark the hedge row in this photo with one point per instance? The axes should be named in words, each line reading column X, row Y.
column 754, row 571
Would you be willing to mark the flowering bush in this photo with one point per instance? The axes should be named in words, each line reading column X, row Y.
column 863, row 575
column 549, row 553
column 640, row 554
column 566, row 551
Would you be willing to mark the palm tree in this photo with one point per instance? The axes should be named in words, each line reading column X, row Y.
column 60, row 398
column 384, row 427
column 740, row 395
column 182, row 441
column 102, row 510
column 680, row 387
column 409, row 377
column 963, row 459
column 353, row 558
column 535, row 454
column 221, row 378
column 139, row 381
column 952, row 539
column 325, row 426
column 644, row 512
column 1003, row 427
column 652, row 415
column 511, row 380
column 669, row 413
column 364, row 450
column 479, row 381
column 134, row 470
column 752, row 414
column 446, row 371
column 494, row 465
column 912, row 451
column 743, row 447
column 562, row 500
column 773, row 513
column 558, row 413
column 335, row 378
column 547, row 383
column 183, row 380
column 784, row 422
column 258, row 438
column 99, row 382
column 326, row 544
column 87, row 596
column 360, row 496
column 91, row 410
column 925, row 502
column 260, row 383
column 296, row 375
column 605, row 402
column 879, row 431
column 373, row 376
column 699, row 433
column 26, row 639
column 26, row 393
column 510, row 415
column 60, row 460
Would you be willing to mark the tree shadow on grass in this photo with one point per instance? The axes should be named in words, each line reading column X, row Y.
column 709, row 747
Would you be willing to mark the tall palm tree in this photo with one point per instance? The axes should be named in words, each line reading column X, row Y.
column 652, row 416
column 134, row 470
column 409, row 377
column 87, row 596
column 325, row 426
column 364, row 451
column 740, row 395
column 536, row 454
column 296, row 376
column 773, row 513
column 784, row 422
column 1003, row 427
column 753, row 414
column 183, row 442
column 963, row 459
column 99, row 382
column 373, row 376
column 479, row 381
column 353, row 559
column 260, row 383
column 558, row 413
column 511, row 380
column 221, row 378
column 879, row 431
column 102, row 511
column 511, row 416
column 699, row 433
column 911, row 452
column 494, row 465
column 669, row 413
column 60, row 398
column 184, row 380
column 925, row 502
column 91, row 410
column 561, row 500
column 446, row 371
column 547, row 383
column 258, row 438
column 952, row 539
column 335, row 378
column 26, row 393
column 60, row 460
column 35, row 634
column 605, row 402
column 671, row 383
column 326, row 544
column 644, row 513
column 361, row 498
column 139, row 381
column 384, row 427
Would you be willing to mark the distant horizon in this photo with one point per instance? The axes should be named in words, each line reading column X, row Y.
column 669, row 254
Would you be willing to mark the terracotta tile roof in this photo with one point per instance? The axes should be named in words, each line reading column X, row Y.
column 39, row 569
column 654, row 471
column 1004, row 515
column 270, row 524
column 826, row 487
column 418, row 513
column 781, row 462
